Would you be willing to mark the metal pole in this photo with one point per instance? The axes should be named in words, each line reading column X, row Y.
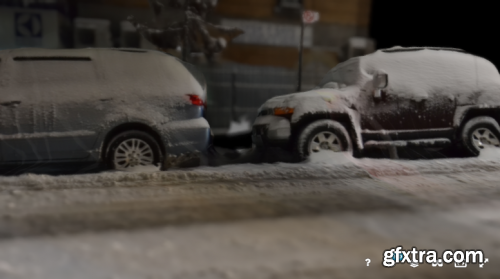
column 185, row 46
column 151, row 5
column 301, row 48
column 233, row 95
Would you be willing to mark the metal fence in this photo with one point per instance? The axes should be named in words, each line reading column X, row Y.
column 236, row 92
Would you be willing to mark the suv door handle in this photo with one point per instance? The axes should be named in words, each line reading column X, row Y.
column 11, row 104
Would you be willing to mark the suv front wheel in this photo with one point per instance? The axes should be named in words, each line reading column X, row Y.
column 480, row 133
column 322, row 135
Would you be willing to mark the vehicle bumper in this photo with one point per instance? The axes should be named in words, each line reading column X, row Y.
column 187, row 136
column 271, row 130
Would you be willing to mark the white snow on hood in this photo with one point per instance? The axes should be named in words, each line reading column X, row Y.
column 314, row 101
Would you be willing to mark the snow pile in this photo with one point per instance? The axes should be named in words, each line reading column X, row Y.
column 387, row 167
column 241, row 127
column 322, row 165
column 326, row 157
column 240, row 172
column 490, row 154
column 142, row 169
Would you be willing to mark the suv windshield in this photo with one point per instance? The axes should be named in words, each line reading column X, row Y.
column 344, row 74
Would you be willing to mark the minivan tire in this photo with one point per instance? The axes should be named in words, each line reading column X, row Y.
column 326, row 127
column 484, row 126
column 146, row 144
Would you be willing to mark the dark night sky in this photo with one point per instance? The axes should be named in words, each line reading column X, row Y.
column 470, row 25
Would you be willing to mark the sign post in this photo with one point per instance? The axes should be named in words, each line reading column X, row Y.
column 308, row 17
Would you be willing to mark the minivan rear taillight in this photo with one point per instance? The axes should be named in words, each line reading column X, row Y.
column 196, row 100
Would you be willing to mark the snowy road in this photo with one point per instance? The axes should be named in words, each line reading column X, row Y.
column 40, row 204
column 334, row 216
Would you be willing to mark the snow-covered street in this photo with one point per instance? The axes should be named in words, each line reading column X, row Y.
column 327, row 246
column 318, row 219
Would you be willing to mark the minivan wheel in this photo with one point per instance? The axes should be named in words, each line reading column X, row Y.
column 322, row 135
column 132, row 149
column 480, row 133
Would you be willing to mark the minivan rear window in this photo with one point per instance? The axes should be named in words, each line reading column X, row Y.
column 51, row 58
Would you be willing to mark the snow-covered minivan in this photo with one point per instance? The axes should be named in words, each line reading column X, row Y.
column 124, row 107
column 420, row 97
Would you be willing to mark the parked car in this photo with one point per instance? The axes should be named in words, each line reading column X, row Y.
column 413, row 97
column 122, row 107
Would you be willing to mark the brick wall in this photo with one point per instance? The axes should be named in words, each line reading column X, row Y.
column 119, row 3
column 348, row 12
column 257, row 9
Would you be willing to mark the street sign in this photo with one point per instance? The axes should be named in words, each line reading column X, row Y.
column 28, row 25
column 309, row 17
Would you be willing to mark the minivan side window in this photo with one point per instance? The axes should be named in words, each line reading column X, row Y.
column 51, row 58
column 54, row 69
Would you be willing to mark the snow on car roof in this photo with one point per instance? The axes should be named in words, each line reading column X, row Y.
column 82, row 52
column 111, row 71
column 450, row 59
column 419, row 72
column 409, row 49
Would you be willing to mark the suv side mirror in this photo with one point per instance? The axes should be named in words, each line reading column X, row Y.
column 380, row 82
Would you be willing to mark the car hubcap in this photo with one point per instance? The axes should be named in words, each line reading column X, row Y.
column 483, row 137
column 131, row 153
column 325, row 141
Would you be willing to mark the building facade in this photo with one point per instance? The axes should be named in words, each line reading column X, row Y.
column 273, row 30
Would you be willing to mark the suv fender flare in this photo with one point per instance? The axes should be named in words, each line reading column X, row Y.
column 460, row 113
column 467, row 112
column 348, row 117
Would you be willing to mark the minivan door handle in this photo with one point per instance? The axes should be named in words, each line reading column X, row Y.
column 11, row 104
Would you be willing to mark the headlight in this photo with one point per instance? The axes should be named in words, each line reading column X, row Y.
column 283, row 111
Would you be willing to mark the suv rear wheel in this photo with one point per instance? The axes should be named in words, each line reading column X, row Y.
column 133, row 148
column 480, row 133
column 322, row 135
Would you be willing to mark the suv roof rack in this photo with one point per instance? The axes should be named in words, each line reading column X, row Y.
column 408, row 49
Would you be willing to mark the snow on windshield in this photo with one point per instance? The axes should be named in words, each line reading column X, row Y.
column 344, row 74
